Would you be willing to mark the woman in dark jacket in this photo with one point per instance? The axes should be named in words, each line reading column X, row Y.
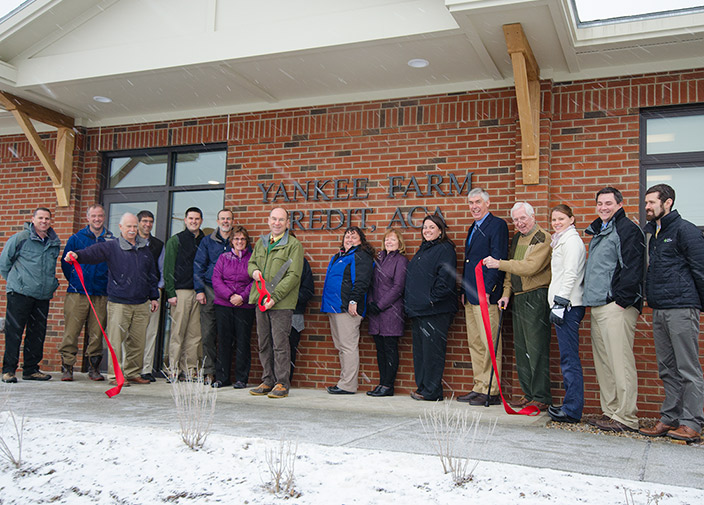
column 347, row 281
column 385, row 307
column 430, row 300
column 233, row 315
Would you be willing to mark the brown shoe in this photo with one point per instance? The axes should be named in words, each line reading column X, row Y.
column 113, row 382
column 67, row 373
column 261, row 390
column 659, row 430
column 685, row 433
column 468, row 397
column 279, row 391
column 592, row 421
column 541, row 406
column 137, row 380
column 418, row 396
column 520, row 403
column 614, row 425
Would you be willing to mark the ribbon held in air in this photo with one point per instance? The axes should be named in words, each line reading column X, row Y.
column 529, row 410
column 120, row 379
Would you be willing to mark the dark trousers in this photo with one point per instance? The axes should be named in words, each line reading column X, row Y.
column 24, row 311
column 234, row 327
column 571, row 366
column 294, row 338
column 531, row 338
column 387, row 356
column 429, row 347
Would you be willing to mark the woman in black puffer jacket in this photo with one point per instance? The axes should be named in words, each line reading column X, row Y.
column 430, row 300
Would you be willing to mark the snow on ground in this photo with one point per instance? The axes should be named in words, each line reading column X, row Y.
column 66, row 462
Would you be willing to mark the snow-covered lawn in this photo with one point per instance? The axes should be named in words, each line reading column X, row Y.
column 66, row 462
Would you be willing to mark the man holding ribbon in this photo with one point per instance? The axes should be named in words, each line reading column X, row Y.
column 276, row 266
column 132, row 294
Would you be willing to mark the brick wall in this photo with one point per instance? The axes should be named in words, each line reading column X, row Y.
column 589, row 138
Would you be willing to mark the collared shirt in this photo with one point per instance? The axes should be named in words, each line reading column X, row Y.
column 477, row 224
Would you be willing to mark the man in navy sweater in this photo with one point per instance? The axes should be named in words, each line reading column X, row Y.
column 132, row 293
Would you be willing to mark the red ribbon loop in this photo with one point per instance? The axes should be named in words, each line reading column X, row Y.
column 264, row 295
column 530, row 410
column 120, row 379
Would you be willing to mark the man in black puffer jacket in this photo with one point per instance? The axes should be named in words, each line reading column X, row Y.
column 675, row 291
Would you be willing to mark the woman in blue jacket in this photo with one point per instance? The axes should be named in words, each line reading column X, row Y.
column 430, row 299
column 347, row 281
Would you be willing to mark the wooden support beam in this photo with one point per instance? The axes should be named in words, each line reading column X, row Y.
column 37, row 112
column 60, row 168
column 526, row 75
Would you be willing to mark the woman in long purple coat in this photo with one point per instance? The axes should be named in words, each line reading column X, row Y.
column 386, row 317
column 233, row 315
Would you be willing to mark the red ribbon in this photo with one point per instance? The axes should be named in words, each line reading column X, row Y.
column 116, row 366
column 529, row 410
column 264, row 295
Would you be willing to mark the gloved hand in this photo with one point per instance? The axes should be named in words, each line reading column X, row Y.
column 373, row 308
column 557, row 313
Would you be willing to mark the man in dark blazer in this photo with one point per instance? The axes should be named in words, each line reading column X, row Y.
column 488, row 236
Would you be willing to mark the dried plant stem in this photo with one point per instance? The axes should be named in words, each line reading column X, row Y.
column 195, row 407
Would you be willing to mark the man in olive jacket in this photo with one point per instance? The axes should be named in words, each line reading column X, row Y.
column 28, row 262
column 278, row 260
column 675, row 292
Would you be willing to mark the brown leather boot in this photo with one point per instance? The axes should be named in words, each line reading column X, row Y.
column 66, row 373
column 94, row 368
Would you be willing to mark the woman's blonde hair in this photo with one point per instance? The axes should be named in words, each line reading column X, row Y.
column 401, row 242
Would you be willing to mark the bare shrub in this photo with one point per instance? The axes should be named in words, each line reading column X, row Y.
column 281, row 461
column 455, row 436
column 11, row 443
column 651, row 498
column 195, row 407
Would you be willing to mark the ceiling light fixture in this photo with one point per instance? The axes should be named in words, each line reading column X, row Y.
column 212, row 181
column 418, row 63
column 102, row 99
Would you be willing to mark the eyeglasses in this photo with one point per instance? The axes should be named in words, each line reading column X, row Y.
column 237, row 239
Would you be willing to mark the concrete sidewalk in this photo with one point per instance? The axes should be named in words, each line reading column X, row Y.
column 359, row 421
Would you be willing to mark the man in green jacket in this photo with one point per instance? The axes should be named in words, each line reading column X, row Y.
column 278, row 260
column 28, row 262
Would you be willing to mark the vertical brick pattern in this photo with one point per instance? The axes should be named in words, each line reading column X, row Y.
column 589, row 138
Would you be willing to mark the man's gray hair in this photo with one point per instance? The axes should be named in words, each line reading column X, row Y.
column 478, row 192
column 125, row 216
column 528, row 208
column 94, row 206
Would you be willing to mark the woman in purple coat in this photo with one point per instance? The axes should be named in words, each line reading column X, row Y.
column 386, row 317
column 233, row 315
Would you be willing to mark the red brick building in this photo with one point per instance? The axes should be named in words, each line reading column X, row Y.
column 386, row 161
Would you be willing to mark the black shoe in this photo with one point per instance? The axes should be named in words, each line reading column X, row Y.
column 481, row 399
column 148, row 377
column 217, row 384
column 36, row 376
column 382, row 391
column 468, row 397
column 559, row 416
column 239, row 385
column 334, row 390
column 374, row 391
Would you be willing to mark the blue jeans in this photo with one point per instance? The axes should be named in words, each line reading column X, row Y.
column 571, row 366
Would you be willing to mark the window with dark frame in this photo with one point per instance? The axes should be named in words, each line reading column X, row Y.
column 672, row 152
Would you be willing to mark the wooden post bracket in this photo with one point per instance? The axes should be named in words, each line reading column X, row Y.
column 60, row 168
column 526, row 75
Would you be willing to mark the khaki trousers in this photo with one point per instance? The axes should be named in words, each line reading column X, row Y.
column 150, row 343
column 478, row 348
column 613, row 331
column 185, row 332
column 273, row 328
column 127, row 325
column 345, row 335
column 77, row 313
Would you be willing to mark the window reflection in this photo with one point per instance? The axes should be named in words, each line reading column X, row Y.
column 136, row 171
column 200, row 168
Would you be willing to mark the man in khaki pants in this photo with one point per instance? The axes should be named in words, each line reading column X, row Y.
column 132, row 294
column 488, row 236
column 613, row 289
column 178, row 284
